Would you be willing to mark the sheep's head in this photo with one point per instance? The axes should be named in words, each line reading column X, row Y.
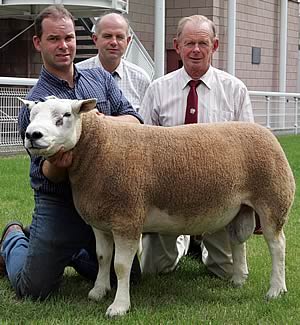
column 54, row 124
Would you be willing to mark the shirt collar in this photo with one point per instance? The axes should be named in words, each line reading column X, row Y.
column 184, row 78
column 54, row 80
column 206, row 78
column 77, row 73
column 49, row 77
column 119, row 71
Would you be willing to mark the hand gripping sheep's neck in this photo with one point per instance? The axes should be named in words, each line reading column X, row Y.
column 127, row 179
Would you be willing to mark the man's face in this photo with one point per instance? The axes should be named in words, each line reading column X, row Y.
column 111, row 39
column 196, row 46
column 57, row 44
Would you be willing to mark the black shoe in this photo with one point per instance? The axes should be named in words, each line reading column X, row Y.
column 26, row 231
column 11, row 226
column 8, row 228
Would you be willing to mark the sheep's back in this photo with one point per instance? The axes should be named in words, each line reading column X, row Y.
column 173, row 167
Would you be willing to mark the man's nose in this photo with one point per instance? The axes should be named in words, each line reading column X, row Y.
column 196, row 47
column 113, row 41
column 63, row 44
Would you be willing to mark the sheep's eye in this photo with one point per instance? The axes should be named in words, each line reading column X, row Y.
column 59, row 122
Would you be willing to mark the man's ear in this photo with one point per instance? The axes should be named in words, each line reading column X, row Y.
column 36, row 42
column 176, row 45
column 94, row 37
column 215, row 44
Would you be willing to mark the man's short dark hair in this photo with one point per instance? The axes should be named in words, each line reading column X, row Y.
column 54, row 11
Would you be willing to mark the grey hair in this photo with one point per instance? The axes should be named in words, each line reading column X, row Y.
column 196, row 19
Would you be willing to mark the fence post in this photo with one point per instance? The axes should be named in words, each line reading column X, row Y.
column 296, row 115
column 268, row 111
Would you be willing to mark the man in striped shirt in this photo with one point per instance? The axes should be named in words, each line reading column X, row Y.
column 221, row 97
column 111, row 38
column 58, row 236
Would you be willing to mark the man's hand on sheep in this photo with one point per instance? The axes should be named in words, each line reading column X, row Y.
column 123, row 118
column 55, row 167
column 120, row 118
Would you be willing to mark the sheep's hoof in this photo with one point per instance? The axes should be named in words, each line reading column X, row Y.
column 238, row 280
column 97, row 294
column 117, row 309
column 274, row 293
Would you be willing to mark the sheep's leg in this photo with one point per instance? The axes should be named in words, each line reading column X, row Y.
column 104, row 250
column 276, row 244
column 125, row 250
column 240, row 268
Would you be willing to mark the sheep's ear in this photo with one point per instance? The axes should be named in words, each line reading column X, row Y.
column 51, row 97
column 83, row 106
column 28, row 103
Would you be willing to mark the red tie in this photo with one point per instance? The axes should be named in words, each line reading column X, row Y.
column 191, row 113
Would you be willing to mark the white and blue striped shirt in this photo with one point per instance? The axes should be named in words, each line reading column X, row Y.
column 131, row 79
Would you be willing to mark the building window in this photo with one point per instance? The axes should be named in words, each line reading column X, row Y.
column 256, row 54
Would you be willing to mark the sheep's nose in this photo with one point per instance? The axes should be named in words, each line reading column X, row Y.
column 34, row 135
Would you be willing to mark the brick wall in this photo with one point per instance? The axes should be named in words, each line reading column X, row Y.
column 292, row 51
column 258, row 24
column 141, row 17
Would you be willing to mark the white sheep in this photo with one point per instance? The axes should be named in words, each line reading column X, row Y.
column 129, row 178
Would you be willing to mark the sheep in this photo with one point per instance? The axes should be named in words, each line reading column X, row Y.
column 129, row 178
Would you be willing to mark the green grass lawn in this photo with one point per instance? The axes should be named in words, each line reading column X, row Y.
column 187, row 296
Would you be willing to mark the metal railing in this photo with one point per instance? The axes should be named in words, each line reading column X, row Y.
column 10, row 90
column 277, row 111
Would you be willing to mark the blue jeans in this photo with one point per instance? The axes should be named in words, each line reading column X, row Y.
column 58, row 238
